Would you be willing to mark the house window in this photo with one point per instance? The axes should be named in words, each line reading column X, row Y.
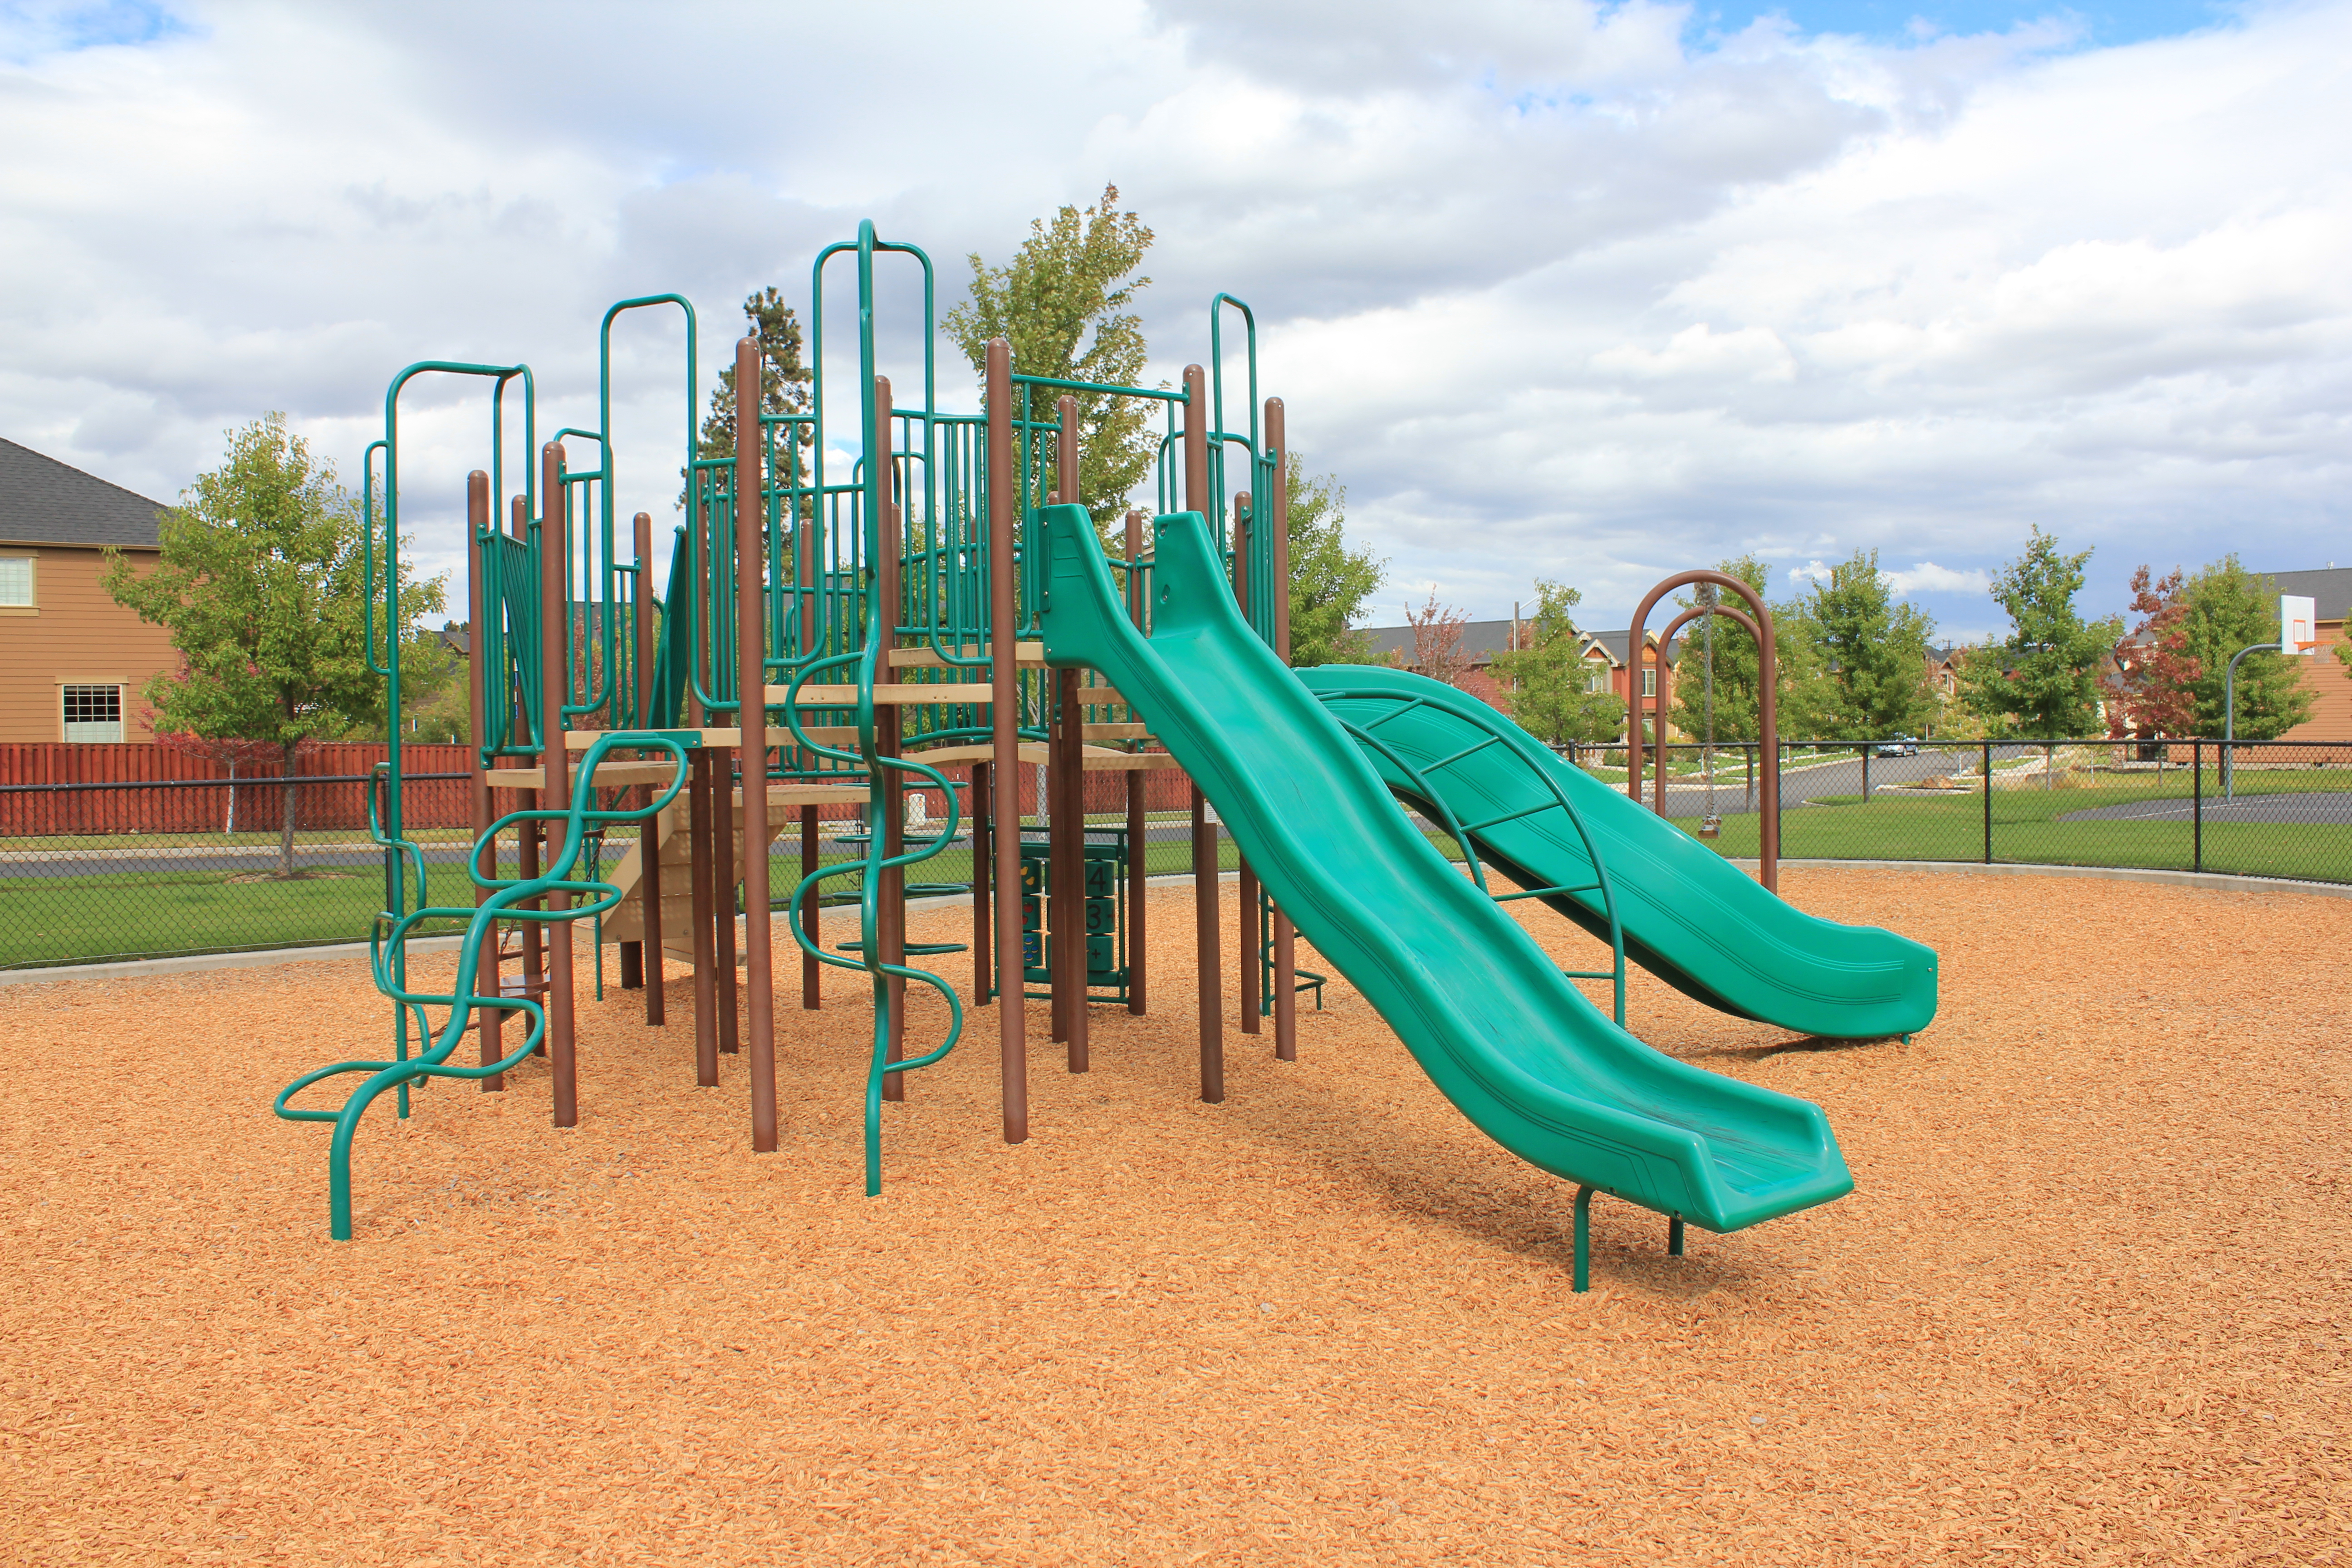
column 15, row 582
column 1597, row 680
column 1650, row 682
column 93, row 713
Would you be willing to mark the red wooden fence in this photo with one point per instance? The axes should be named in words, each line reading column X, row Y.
column 340, row 805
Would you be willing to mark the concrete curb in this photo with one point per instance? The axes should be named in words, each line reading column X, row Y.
column 2212, row 880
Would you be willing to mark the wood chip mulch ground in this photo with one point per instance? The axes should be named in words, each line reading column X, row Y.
column 2087, row 1304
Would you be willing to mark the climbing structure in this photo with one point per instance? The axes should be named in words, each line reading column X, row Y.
column 863, row 601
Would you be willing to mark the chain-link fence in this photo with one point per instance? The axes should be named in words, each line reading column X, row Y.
column 94, row 873
column 90, row 872
column 2264, row 808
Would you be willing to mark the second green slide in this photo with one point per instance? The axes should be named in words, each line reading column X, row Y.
column 1481, row 1007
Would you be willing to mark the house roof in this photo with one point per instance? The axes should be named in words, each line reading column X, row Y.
column 1482, row 640
column 2330, row 588
column 43, row 502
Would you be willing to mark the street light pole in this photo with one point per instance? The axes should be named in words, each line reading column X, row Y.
column 2229, row 715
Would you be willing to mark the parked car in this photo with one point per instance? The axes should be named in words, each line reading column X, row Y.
column 1901, row 746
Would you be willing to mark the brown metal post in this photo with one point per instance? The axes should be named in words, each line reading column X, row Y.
column 1253, row 955
column 1286, row 944
column 554, row 686
column 649, row 889
column 1211, row 1001
column 1138, row 825
column 1205, row 839
column 534, row 936
column 705, row 884
column 1768, row 804
column 1069, row 780
column 478, row 517
column 891, row 913
column 752, row 721
column 1005, row 717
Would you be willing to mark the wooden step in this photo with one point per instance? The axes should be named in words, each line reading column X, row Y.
column 1029, row 653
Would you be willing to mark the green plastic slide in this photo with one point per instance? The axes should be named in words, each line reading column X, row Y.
column 1484, row 1010
column 1689, row 916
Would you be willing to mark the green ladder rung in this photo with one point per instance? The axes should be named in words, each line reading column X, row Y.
column 1546, row 893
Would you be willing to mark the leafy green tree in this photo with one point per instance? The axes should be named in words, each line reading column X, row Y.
column 1328, row 582
column 1805, row 702
column 2230, row 608
column 1063, row 303
column 783, row 381
column 1737, row 666
column 1550, row 682
column 436, row 702
column 1872, row 649
column 2043, row 679
column 260, row 585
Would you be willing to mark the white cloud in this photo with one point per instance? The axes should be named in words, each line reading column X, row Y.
column 1554, row 289
column 1929, row 578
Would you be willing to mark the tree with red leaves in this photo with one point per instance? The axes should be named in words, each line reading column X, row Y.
column 1437, row 640
column 2151, row 691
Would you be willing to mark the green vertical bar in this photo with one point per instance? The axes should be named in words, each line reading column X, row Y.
column 1988, row 803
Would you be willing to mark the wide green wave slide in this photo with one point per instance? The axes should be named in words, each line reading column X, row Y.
column 1689, row 916
column 1484, row 1010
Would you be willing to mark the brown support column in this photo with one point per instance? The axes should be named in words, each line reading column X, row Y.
column 1204, row 841
column 1138, row 849
column 890, row 920
column 1211, row 1002
column 1069, row 775
column 983, row 975
column 554, row 679
column 649, row 887
column 705, row 884
column 488, row 1020
column 752, row 721
column 1253, row 953
column 1285, row 945
column 1004, row 719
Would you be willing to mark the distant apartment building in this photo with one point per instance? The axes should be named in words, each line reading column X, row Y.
column 72, row 661
column 1610, row 666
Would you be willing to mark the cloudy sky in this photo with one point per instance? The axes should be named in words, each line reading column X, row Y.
column 1588, row 292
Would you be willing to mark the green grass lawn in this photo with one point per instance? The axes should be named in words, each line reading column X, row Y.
column 94, row 919
column 1896, row 825
column 147, row 914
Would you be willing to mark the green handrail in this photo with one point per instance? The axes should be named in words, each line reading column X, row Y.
column 505, row 902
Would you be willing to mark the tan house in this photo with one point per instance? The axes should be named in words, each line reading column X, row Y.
column 2325, row 676
column 72, row 661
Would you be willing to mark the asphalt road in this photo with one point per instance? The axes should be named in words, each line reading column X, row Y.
column 1804, row 778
